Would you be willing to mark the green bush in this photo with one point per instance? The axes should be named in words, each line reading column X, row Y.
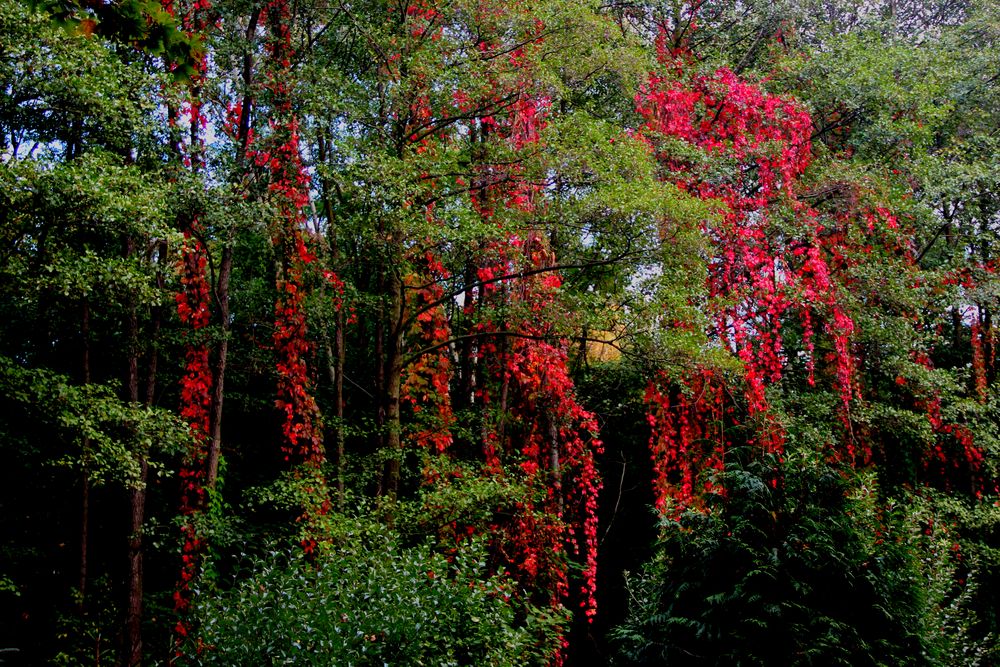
column 777, row 573
column 370, row 601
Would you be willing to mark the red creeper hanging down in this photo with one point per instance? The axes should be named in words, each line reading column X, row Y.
column 764, row 274
column 278, row 153
column 758, row 276
column 516, row 361
column 194, row 310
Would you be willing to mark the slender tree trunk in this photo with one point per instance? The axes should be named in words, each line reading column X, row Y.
column 137, row 505
column 133, row 622
column 555, row 473
column 336, row 353
column 380, row 394
column 225, row 273
column 467, row 386
column 219, row 372
column 137, row 496
column 338, row 399
column 989, row 346
column 335, row 372
column 85, row 493
column 394, row 371
column 986, row 317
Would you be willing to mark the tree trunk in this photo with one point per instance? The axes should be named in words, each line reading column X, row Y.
column 336, row 352
column 137, row 496
column 338, row 398
column 219, row 372
column 137, row 506
column 989, row 346
column 380, row 394
column 555, row 473
column 467, row 386
column 394, row 371
column 133, row 619
column 85, row 494
column 225, row 272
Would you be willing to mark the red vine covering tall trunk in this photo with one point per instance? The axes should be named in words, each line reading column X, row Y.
column 426, row 384
column 551, row 436
column 302, row 441
column 194, row 310
column 543, row 437
column 558, row 436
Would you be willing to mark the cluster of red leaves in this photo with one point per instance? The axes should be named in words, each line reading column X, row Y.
column 757, row 276
column 760, row 275
column 196, row 388
column 194, row 310
column 687, row 438
column 551, row 435
column 427, row 380
column 954, row 446
column 543, row 429
column 288, row 184
column 557, row 436
column 279, row 154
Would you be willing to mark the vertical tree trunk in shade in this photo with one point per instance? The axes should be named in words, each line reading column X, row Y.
column 137, row 500
column 219, row 368
column 335, row 350
column 85, row 478
column 989, row 348
column 133, row 614
column 394, row 379
column 340, row 350
column 241, row 139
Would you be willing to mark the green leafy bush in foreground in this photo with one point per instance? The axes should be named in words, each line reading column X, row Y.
column 372, row 601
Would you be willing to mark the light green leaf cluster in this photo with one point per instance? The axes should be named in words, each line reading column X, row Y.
column 107, row 436
column 372, row 600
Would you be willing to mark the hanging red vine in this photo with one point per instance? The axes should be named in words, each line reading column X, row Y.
column 427, row 379
column 194, row 310
column 544, row 434
column 764, row 277
column 278, row 153
column 757, row 276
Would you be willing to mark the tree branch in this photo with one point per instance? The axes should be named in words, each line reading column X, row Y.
column 527, row 273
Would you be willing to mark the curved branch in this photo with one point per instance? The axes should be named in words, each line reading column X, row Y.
column 527, row 273
column 413, row 356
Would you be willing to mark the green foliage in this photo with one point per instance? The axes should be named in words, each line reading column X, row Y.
column 143, row 24
column 85, row 635
column 464, row 496
column 814, row 569
column 369, row 599
column 802, row 561
column 774, row 573
column 68, row 88
column 117, row 432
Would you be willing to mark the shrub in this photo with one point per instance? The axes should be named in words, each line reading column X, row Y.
column 370, row 601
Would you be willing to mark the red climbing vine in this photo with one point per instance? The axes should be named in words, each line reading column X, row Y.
column 776, row 264
column 534, row 430
column 288, row 186
column 426, row 380
column 194, row 310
